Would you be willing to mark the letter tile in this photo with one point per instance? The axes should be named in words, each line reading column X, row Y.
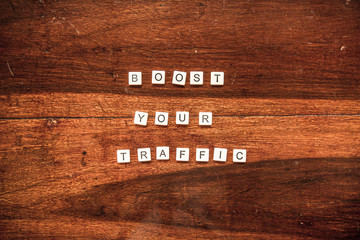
column 182, row 118
column 144, row 154
column 141, row 118
column 217, row 78
column 220, row 154
column 205, row 118
column 196, row 78
column 182, row 154
column 202, row 154
column 239, row 155
column 161, row 118
column 123, row 156
column 162, row 153
column 179, row 78
column 158, row 77
column 135, row 78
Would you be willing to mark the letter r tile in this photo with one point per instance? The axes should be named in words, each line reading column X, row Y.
column 144, row 154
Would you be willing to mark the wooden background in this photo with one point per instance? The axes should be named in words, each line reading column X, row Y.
column 291, row 98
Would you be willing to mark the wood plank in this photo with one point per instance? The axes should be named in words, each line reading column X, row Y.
column 291, row 98
column 299, row 198
column 274, row 49
column 301, row 179
column 76, row 105
column 35, row 144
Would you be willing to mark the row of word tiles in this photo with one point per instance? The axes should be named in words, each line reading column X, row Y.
column 182, row 118
column 182, row 154
column 179, row 78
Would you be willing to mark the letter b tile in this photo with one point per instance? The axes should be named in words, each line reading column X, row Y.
column 135, row 78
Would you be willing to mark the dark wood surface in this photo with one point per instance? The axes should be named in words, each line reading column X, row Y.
column 291, row 98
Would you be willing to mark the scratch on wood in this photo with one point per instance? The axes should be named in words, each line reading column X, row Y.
column 101, row 106
column 74, row 28
column 10, row 68
column 147, row 14
column 92, row 202
column 12, row 6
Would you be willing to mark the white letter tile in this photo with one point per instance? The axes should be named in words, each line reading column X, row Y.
column 162, row 153
column 135, row 78
column 205, row 118
column 144, row 154
column 197, row 78
column 161, row 118
column 182, row 118
column 158, row 77
column 123, row 156
column 217, row 78
column 220, row 154
column 179, row 78
column 182, row 154
column 141, row 118
column 239, row 155
column 202, row 154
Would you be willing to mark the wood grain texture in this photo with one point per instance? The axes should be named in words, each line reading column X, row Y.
column 68, row 167
column 274, row 49
column 291, row 98
column 100, row 105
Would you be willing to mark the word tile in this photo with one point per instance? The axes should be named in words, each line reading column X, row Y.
column 135, row 78
column 162, row 153
column 220, row 154
column 144, row 154
column 239, row 155
column 202, row 154
column 141, row 118
column 123, row 156
column 158, row 77
column 182, row 118
column 205, row 118
column 182, row 154
column 217, row 78
column 196, row 78
column 161, row 118
column 178, row 78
